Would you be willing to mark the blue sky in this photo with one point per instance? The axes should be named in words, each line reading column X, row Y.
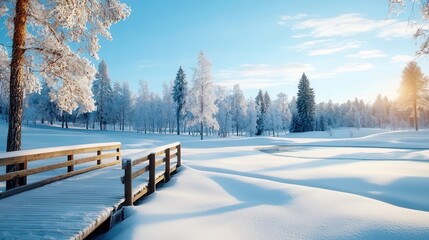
column 346, row 48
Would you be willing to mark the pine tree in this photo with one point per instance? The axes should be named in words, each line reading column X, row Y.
column 268, row 115
column 180, row 91
column 413, row 91
column 306, row 105
column 261, row 110
column 295, row 125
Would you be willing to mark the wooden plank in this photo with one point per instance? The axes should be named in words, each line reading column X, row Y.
column 52, row 179
column 159, row 179
column 140, row 193
column 173, row 169
column 46, row 153
column 159, row 162
column 140, row 172
column 140, row 160
column 12, row 175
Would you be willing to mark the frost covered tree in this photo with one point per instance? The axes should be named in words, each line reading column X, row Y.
column 306, row 105
column 283, row 109
column 238, row 108
column 418, row 21
column 224, row 113
column 142, row 107
column 47, row 108
column 413, row 92
column 127, row 100
column 4, row 80
column 252, row 117
column 180, row 91
column 380, row 111
column 41, row 33
column 331, row 115
column 116, row 105
column 202, row 99
column 102, row 89
column 168, row 107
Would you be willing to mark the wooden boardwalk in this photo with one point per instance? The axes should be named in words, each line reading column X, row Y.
column 61, row 210
column 76, row 206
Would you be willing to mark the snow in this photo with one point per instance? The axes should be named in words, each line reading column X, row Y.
column 373, row 185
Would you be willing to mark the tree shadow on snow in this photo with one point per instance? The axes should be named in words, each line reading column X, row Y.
column 407, row 192
column 248, row 195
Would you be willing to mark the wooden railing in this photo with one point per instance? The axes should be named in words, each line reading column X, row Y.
column 71, row 152
column 153, row 158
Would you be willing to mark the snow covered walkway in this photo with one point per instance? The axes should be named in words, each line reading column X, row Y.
column 64, row 209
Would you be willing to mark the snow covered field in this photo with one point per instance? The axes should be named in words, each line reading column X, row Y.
column 300, row 186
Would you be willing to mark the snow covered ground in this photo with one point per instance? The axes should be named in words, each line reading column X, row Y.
column 301, row 186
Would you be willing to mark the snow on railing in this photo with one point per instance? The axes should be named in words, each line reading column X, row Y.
column 155, row 157
column 16, row 181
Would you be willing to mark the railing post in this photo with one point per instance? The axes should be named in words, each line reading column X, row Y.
column 118, row 150
column 179, row 155
column 128, row 181
column 21, row 181
column 167, row 165
column 71, row 167
column 98, row 154
column 152, row 183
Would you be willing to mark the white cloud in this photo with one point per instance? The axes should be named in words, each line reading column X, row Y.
column 287, row 18
column 368, row 54
column 354, row 67
column 333, row 48
column 342, row 25
column 402, row 59
column 347, row 68
column 313, row 43
column 255, row 76
column 299, row 36
column 353, row 23
column 327, row 46
column 397, row 30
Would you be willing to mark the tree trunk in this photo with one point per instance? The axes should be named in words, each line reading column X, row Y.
column 17, row 90
column 201, row 131
column 415, row 114
column 178, row 123
column 86, row 120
